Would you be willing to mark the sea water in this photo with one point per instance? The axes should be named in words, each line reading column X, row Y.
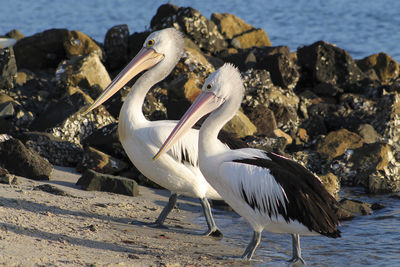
column 362, row 27
column 369, row 240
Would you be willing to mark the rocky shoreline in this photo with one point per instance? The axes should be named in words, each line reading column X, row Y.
column 337, row 115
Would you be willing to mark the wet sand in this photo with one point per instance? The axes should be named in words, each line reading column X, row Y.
column 88, row 228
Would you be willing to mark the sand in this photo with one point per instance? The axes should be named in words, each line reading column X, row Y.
column 90, row 228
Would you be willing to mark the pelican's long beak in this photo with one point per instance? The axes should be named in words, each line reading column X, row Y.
column 145, row 59
column 205, row 103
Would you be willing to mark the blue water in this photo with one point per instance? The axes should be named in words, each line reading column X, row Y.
column 371, row 240
column 362, row 27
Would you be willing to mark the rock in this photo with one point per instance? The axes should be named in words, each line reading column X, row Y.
column 48, row 188
column 279, row 133
column 252, row 38
column 337, row 142
column 384, row 66
column 15, row 34
column 202, row 31
column 368, row 133
column 59, row 110
column 244, row 59
column 271, row 144
column 6, row 106
column 55, row 150
column 23, row 161
column 230, row 25
column 86, row 72
column 372, row 166
column 322, row 62
column 42, row 50
column 94, row 181
column 106, row 139
column 77, row 127
column 135, row 43
column 163, row 11
column 331, row 183
column 77, row 43
column 6, row 178
column 116, row 46
column 187, row 79
column 96, row 160
column 259, row 89
column 264, row 119
column 8, row 68
column 314, row 126
column 240, row 125
column 356, row 207
column 326, row 89
column 283, row 71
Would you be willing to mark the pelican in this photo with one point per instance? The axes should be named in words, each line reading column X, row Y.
column 270, row 191
column 177, row 171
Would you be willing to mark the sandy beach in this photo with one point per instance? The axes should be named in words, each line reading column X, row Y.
column 73, row 227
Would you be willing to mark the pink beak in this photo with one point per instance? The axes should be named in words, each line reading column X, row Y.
column 145, row 59
column 205, row 103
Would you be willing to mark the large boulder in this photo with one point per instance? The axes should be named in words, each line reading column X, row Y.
column 101, row 162
column 230, row 25
column 23, row 161
column 372, row 166
column 116, row 46
column 42, row 50
column 337, row 142
column 77, row 43
column 55, row 150
column 322, row 62
column 8, row 68
column 385, row 67
column 86, row 72
column 193, row 24
column 252, row 38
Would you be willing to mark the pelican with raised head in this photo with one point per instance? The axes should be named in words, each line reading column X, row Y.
column 270, row 191
column 177, row 171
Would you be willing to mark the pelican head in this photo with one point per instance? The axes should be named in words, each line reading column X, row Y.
column 161, row 51
column 224, row 87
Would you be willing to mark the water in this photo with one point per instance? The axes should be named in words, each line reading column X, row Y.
column 362, row 27
column 371, row 240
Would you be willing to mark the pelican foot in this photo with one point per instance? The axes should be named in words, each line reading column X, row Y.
column 297, row 261
column 214, row 233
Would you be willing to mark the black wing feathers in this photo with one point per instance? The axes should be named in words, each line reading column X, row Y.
column 307, row 199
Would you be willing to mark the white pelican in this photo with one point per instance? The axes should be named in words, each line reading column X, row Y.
column 177, row 171
column 270, row 191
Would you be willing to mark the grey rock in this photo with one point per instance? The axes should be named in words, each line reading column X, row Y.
column 116, row 46
column 42, row 50
column 192, row 23
column 8, row 68
column 322, row 62
column 55, row 150
column 94, row 181
column 101, row 162
column 23, row 161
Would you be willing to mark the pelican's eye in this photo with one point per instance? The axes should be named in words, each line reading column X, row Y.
column 150, row 43
column 208, row 87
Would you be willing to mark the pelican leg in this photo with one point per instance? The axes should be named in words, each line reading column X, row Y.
column 251, row 247
column 167, row 209
column 212, row 227
column 296, row 257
